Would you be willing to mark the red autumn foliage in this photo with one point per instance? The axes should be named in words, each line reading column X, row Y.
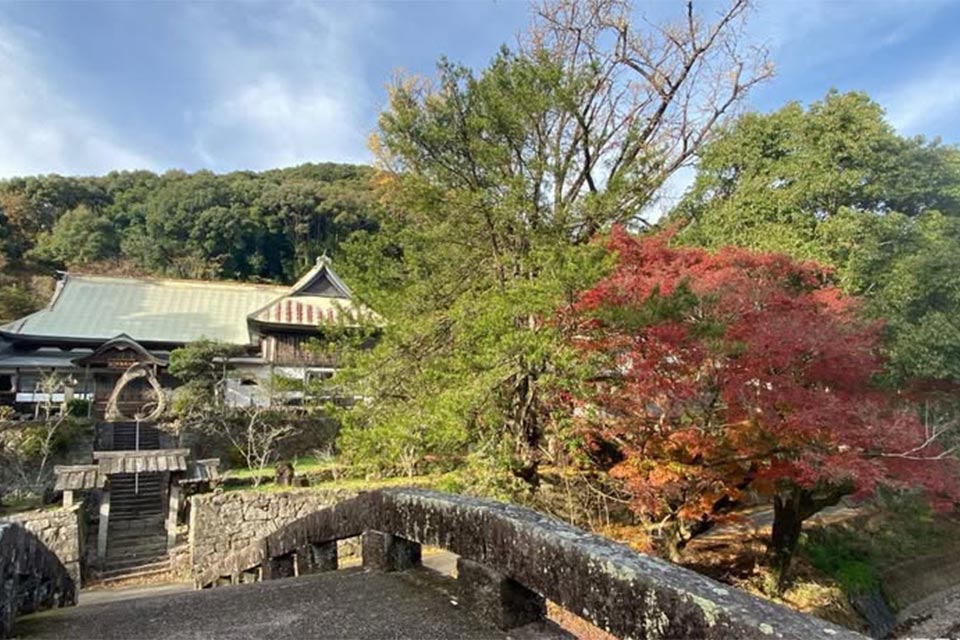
column 733, row 370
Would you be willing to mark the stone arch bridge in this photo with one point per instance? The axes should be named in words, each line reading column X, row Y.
column 511, row 560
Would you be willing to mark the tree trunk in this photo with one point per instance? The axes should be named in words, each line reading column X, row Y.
column 787, row 525
column 673, row 539
column 790, row 509
column 525, row 419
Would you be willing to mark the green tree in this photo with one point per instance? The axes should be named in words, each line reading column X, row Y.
column 79, row 237
column 202, row 368
column 493, row 183
column 835, row 183
column 16, row 302
column 242, row 225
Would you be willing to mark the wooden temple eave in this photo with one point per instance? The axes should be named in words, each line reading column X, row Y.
column 142, row 461
column 125, row 347
column 78, row 477
column 71, row 342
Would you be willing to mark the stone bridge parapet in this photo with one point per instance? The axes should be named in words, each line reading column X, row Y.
column 511, row 559
column 31, row 577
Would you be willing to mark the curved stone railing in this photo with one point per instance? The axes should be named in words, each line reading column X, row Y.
column 512, row 558
column 31, row 577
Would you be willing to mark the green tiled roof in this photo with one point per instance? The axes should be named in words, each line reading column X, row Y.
column 95, row 307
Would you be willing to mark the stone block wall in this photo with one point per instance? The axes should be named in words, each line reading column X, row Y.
column 31, row 577
column 61, row 530
column 224, row 522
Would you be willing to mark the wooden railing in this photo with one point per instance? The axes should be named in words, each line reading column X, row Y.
column 511, row 559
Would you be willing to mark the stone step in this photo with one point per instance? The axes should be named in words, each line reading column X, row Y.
column 135, row 507
column 130, row 557
column 143, row 494
column 135, row 564
column 134, row 496
column 135, row 547
column 146, row 519
column 117, row 559
column 136, row 501
column 123, row 521
column 146, row 480
column 137, row 532
column 126, row 557
column 131, row 484
column 153, row 505
column 149, row 508
column 152, row 492
column 148, row 491
column 130, row 573
column 156, row 506
column 152, row 541
column 131, row 517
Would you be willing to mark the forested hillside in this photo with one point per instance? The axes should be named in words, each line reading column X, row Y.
column 266, row 226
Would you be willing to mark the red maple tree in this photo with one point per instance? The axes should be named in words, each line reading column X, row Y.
column 723, row 372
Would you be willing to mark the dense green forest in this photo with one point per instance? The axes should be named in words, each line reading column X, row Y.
column 836, row 184
column 266, row 226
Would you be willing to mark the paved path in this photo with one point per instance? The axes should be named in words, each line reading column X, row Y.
column 342, row 604
column 106, row 594
column 757, row 519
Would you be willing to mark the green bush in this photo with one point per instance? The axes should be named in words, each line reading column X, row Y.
column 78, row 408
column 854, row 553
column 842, row 556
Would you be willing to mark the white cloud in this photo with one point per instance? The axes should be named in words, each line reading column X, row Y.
column 827, row 31
column 287, row 86
column 921, row 103
column 43, row 131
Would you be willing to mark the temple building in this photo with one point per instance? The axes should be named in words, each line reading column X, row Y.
column 110, row 338
column 107, row 341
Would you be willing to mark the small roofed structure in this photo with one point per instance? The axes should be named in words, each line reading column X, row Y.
column 201, row 471
column 142, row 461
column 78, row 477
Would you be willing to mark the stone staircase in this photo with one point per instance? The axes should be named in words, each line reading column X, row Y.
column 136, row 536
column 125, row 436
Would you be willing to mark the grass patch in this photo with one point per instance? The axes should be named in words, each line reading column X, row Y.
column 302, row 465
column 354, row 484
column 18, row 504
column 843, row 558
column 855, row 553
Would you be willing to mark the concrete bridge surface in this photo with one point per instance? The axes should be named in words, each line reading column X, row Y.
column 350, row 603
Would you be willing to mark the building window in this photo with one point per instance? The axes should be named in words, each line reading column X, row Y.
column 319, row 375
column 29, row 382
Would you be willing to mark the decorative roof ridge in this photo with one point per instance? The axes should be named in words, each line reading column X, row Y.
column 323, row 266
column 124, row 339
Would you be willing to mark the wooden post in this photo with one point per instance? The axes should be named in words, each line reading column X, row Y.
column 91, row 396
column 102, row 529
column 172, row 514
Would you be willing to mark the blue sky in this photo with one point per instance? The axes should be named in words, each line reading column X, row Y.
column 89, row 87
